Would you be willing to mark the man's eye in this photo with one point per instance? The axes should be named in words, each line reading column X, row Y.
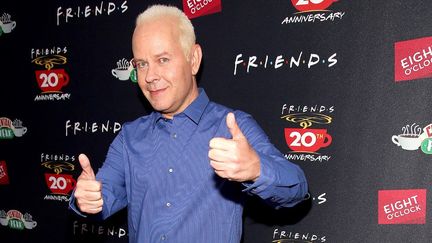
column 141, row 65
column 163, row 60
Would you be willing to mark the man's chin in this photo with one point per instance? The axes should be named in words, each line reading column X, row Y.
column 160, row 108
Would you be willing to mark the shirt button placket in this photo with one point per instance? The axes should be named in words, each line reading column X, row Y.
column 170, row 171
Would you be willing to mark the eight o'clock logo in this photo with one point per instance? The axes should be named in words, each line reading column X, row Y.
column 197, row 8
column 413, row 59
column 402, row 206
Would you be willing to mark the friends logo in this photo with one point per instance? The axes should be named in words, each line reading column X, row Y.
column 75, row 128
column 51, row 80
column 197, row 8
column 413, row 137
column 9, row 129
column 311, row 11
column 413, row 59
column 4, row 177
column 14, row 219
column 281, row 61
column 66, row 15
column 6, row 24
column 86, row 228
column 402, row 206
column 305, row 141
column 280, row 236
column 60, row 184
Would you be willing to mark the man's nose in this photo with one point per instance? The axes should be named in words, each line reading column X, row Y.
column 152, row 74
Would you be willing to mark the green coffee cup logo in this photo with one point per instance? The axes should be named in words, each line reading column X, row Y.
column 426, row 146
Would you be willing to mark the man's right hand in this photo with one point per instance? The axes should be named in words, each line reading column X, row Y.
column 88, row 191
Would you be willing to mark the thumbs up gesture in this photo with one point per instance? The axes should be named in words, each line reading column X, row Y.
column 234, row 159
column 88, row 191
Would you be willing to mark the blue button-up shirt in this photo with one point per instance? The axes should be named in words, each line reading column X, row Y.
column 159, row 168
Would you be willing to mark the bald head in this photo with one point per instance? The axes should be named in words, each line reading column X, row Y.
column 173, row 16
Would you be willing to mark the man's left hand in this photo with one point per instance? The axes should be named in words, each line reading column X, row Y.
column 234, row 159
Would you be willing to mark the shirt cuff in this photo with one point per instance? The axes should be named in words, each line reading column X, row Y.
column 266, row 178
column 73, row 206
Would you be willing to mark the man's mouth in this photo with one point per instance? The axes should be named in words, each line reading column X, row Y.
column 156, row 91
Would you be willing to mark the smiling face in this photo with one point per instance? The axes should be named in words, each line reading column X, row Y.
column 165, row 75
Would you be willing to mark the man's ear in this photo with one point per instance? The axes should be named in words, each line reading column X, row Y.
column 196, row 58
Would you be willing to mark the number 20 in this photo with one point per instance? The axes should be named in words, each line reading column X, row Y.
column 50, row 80
column 306, row 2
column 300, row 140
column 58, row 183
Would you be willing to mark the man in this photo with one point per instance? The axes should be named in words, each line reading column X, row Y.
column 185, row 170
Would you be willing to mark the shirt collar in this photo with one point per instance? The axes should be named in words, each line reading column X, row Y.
column 195, row 110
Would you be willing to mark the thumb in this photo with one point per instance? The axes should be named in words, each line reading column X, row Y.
column 87, row 172
column 233, row 127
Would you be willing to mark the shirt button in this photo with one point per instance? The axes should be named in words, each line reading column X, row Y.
column 163, row 237
column 170, row 170
column 168, row 204
column 174, row 135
